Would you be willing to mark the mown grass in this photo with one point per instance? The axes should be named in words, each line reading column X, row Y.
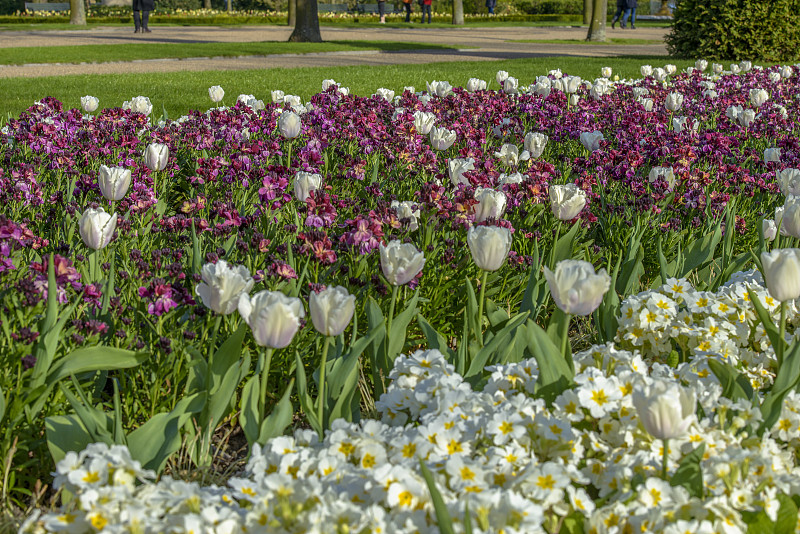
column 611, row 41
column 139, row 51
column 178, row 92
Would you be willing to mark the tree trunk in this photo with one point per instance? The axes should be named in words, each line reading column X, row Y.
column 597, row 29
column 587, row 11
column 77, row 12
column 206, row 4
column 458, row 12
column 230, row 7
column 292, row 12
column 664, row 10
column 306, row 29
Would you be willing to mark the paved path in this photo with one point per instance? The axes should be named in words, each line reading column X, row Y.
column 487, row 44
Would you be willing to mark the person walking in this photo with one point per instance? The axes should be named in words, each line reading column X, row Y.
column 382, row 10
column 407, row 7
column 490, row 4
column 145, row 6
column 622, row 7
column 631, row 5
column 426, row 8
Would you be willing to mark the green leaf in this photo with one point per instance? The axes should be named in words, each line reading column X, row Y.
column 489, row 354
column 735, row 386
column 219, row 401
column 248, row 416
column 786, row 522
column 2, row 404
column 306, row 402
column 564, row 246
column 786, row 380
column 155, row 441
column 280, row 418
column 227, row 356
column 435, row 340
column 197, row 252
column 573, row 523
column 95, row 358
column 96, row 422
column 773, row 333
column 66, row 433
column 689, row 474
column 554, row 373
column 397, row 337
column 443, row 519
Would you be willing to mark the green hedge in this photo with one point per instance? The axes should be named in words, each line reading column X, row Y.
column 736, row 29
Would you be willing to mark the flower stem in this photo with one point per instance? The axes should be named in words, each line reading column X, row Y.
column 565, row 341
column 289, row 156
column 664, row 458
column 481, row 300
column 782, row 342
column 391, row 311
column 264, row 363
column 214, row 333
column 321, row 407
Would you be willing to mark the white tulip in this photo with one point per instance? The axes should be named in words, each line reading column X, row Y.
column 701, row 65
column 680, row 124
column 440, row 89
column 535, row 143
column 501, row 76
column 674, row 102
column 456, row 168
column 331, row 310
column 305, row 183
column 424, row 121
column 406, row 210
column 665, row 408
column 89, row 103
column 782, row 273
column 474, row 84
column 273, row 317
column 278, row 96
column 745, row 65
column 772, row 155
column 327, row 83
column 491, row 204
column 789, row 181
column 489, row 246
column 717, row 68
column 410, row 88
column 786, row 71
column 774, row 77
column 293, row 100
column 216, row 93
column 758, row 97
column 289, row 124
column 671, row 69
column 511, row 86
column 659, row 74
column 646, row 70
column 400, row 262
column 442, row 138
column 556, row 73
column 770, row 229
column 156, row 156
column 97, row 227
column 140, row 104
column 575, row 287
column 735, row 69
column 223, row 285
column 386, row 94
column 606, row 72
column 710, row 94
column 647, row 104
column 509, row 155
column 513, row 178
column 790, row 217
column 566, row 201
column 665, row 173
column 591, row 140
column 114, row 182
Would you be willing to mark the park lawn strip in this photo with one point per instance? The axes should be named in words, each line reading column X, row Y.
column 607, row 42
column 179, row 92
column 144, row 51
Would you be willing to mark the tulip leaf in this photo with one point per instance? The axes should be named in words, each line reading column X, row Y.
column 502, row 340
column 248, row 415
column 219, row 398
column 67, row 433
column 689, row 474
column 786, row 380
column 564, row 246
column 227, row 355
column 573, row 524
column 766, row 320
column 786, row 522
column 306, row 402
column 536, row 290
column 735, row 385
column 197, row 252
column 554, row 373
column 281, row 417
column 2, row 404
column 701, row 251
column 94, row 359
column 397, row 337
column 154, row 453
column 443, row 519
column 435, row 340
column 97, row 423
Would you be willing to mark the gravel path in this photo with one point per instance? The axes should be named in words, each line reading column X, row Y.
column 486, row 44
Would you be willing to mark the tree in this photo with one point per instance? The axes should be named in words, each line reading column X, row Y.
column 306, row 29
column 458, row 12
column 597, row 29
column 292, row 13
column 77, row 12
column 206, row 4
column 587, row 11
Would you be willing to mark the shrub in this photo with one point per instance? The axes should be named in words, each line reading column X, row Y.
column 8, row 7
column 736, row 29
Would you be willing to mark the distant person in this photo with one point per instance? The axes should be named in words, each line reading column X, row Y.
column 145, row 6
column 490, row 4
column 382, row 10
column 632, row 7
column 407, row 7
column 426, row 8
column 622, row 7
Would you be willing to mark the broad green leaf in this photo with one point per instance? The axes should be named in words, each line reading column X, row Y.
column 280, row 418
column 564, row 246
column 306, row 402
column 248, row 417
column 773, row 333
column 94, row 359
column 786, row 522
column 227, row 356
column 2, row 404
column 786, row 380
column 554, row 373
column 397, row 337
column 197, row 252
column 443, row 519
column 95, row 421
column 689, row 474
column 219, row 401
column 494, row 347
column 435, row 340
column 66, row 433
column 735, row 386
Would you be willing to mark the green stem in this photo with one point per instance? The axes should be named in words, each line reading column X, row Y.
column 289, row 156
column 264, row 363
column 321, row 407
column 391, row 311
column 664, row 458
column 565, row 340
column 481, row 300
column 213, row 343
column 781, row 343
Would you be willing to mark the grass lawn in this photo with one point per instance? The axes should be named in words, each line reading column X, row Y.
column 611, row 41
column 130, row 52
column 178, row 92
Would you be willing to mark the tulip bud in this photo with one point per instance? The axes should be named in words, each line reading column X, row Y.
column 511, row 86
column 216, row 93
column 140, row 104
column 489, row 246
column 223, row 285
column 457, row 167
column 474, row 84
column 786, row 71
column 701, row 65
column 789, row 181
column 424, row 121
column 442, row 138
column 114, row 182
column 566, row 201
column 770, row 229
column 745, row 65
column 717, row 68
column 273, row 317
column 156, row 156
column 289, row 124
column 606, row 72
column 646, row 70
column 89, row 103
column 97, row 227
column 406, row 210
column 400, row 262
column 665, row 408
column 535, row 143
column 670, row 69
column 782, row 273
column 491, row 203
column 758, row 97
column 501, row 76
column 575, row 287
column 591, row 140
column 772, row 155
column 386, row 94
column 305, row 183
column 790, row 218
column 331, row 310
column 674, row 102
